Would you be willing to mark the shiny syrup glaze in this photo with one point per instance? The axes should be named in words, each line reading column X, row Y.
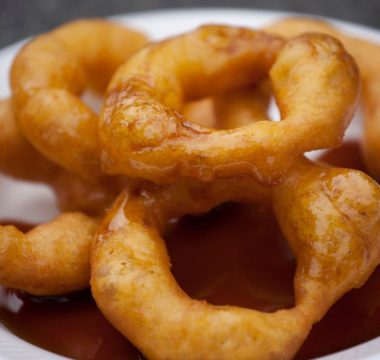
column 234, row 255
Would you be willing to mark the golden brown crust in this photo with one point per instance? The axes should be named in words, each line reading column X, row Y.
column 51, row 259
column 367, row 55
column 20, row 160
column 331, row 218
column 17, row 157
column 27, row 255
column 142, row 133
column 47, row 78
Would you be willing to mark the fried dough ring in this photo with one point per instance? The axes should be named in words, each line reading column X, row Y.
column 331, row 218
column 367, row 55
column 51, row 72
column 142, row 134
column 20, row 160
column 51, row 259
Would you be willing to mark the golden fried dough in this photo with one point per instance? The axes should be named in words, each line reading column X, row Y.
column 74, row 193
column 17, row 157
column 367, row 55
column 20, row 160
column 143, row 135
column 331, row 218
column 51, row 259
column 49, row 75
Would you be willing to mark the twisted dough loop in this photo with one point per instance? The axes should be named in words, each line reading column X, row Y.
column 47, row 78
column 331, row 218
column 39, row 261
column 367, row 55
column 131, row 278
column 142, row 134
column 26, row 264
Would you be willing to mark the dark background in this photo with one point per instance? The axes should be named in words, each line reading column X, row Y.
column 21, row 18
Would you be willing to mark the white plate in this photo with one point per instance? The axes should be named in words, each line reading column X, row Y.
column 35, row 203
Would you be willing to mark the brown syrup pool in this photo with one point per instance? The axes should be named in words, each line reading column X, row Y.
column 234, row 255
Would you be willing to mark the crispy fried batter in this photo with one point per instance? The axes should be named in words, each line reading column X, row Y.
column 51, row 259
column 331, row 218
column 20, row 160
column 367, row 55
column 142, row 134
column 47, row 78
column 17, row 157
